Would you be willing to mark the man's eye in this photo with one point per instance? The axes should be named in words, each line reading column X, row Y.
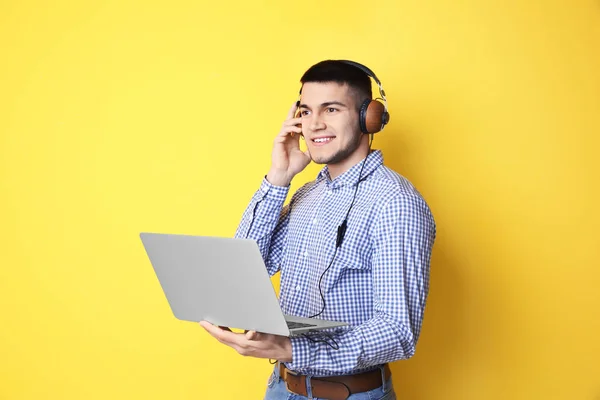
column 331, row 109
column 303, row 112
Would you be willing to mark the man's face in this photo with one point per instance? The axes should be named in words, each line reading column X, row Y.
column 329, row 122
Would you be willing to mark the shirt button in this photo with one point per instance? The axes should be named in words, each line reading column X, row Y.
column 315, row 221
column 297, row 287
column 306, row 254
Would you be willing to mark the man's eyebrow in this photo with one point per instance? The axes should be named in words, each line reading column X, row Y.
column 326, row 104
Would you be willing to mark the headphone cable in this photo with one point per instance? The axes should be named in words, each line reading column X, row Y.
column 342, row 230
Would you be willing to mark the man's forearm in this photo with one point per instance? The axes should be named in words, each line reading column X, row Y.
column 377, row 341
column 263, row 220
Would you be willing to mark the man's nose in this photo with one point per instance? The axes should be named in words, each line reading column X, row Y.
column 316, row 123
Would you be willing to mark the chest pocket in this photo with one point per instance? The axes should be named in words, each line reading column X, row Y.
column 351, row 263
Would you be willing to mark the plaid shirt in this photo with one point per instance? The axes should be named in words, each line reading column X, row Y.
column 379, row 280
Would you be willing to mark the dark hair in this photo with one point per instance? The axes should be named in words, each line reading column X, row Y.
column 342, row 73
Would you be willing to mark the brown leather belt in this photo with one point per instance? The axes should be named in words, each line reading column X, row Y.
column 333, row 387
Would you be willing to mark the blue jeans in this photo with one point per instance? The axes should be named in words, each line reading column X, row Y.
column 276, row 390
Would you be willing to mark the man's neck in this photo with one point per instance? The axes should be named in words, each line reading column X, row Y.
column 338, row 169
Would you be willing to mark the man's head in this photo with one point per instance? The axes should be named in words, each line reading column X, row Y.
column 342, row 73
column 332, row 93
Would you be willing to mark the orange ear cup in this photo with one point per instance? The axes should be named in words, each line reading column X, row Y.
column 373, row 116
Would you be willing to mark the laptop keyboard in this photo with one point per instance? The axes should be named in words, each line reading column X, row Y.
column 295, row 325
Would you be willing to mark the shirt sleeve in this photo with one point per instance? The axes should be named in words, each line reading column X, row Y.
column 402, row 239
column 265, row 220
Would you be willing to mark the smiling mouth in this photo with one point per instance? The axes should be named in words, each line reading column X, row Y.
column 322, row 140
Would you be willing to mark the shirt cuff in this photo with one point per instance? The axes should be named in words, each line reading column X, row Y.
column 301, row 349
column 272, row 192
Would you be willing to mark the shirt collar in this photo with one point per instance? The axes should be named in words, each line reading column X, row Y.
column 350, row 177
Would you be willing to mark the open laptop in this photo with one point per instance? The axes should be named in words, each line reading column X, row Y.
column 223, row 281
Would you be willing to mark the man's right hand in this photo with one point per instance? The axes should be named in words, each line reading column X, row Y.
column 287, row 159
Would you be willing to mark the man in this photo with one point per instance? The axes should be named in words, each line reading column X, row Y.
column 375, row 278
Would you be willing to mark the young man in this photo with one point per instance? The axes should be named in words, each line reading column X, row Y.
column 375, row 278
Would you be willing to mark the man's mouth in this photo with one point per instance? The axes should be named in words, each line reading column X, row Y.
column 319, row 141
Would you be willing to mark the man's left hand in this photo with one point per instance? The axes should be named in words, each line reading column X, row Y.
column 253, row 344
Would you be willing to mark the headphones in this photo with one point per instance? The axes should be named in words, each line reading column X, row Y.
column 373, row 114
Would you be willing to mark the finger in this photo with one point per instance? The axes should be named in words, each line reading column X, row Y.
column 206, row 325
column 290, row 131
column 252, row 335
column 292, row 110
column 236, row 341
column 214, row 330
column 292, row 122
column 228, row 337
column 211, row 329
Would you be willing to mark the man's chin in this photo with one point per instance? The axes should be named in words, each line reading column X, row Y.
column 319, row 160
column 331, row 159
column 322, row 160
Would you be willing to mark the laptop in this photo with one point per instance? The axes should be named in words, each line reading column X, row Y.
column 223, row 281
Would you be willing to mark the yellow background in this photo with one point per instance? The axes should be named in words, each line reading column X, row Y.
column 124, row 116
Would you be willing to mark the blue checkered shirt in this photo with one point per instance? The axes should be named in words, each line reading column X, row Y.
column 379, row 280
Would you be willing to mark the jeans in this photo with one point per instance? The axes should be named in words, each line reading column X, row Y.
column 276, row 390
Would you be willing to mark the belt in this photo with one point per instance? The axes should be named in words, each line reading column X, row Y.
column 333, row 387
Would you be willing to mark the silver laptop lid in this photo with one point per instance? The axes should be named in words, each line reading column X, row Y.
column 220, row 280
